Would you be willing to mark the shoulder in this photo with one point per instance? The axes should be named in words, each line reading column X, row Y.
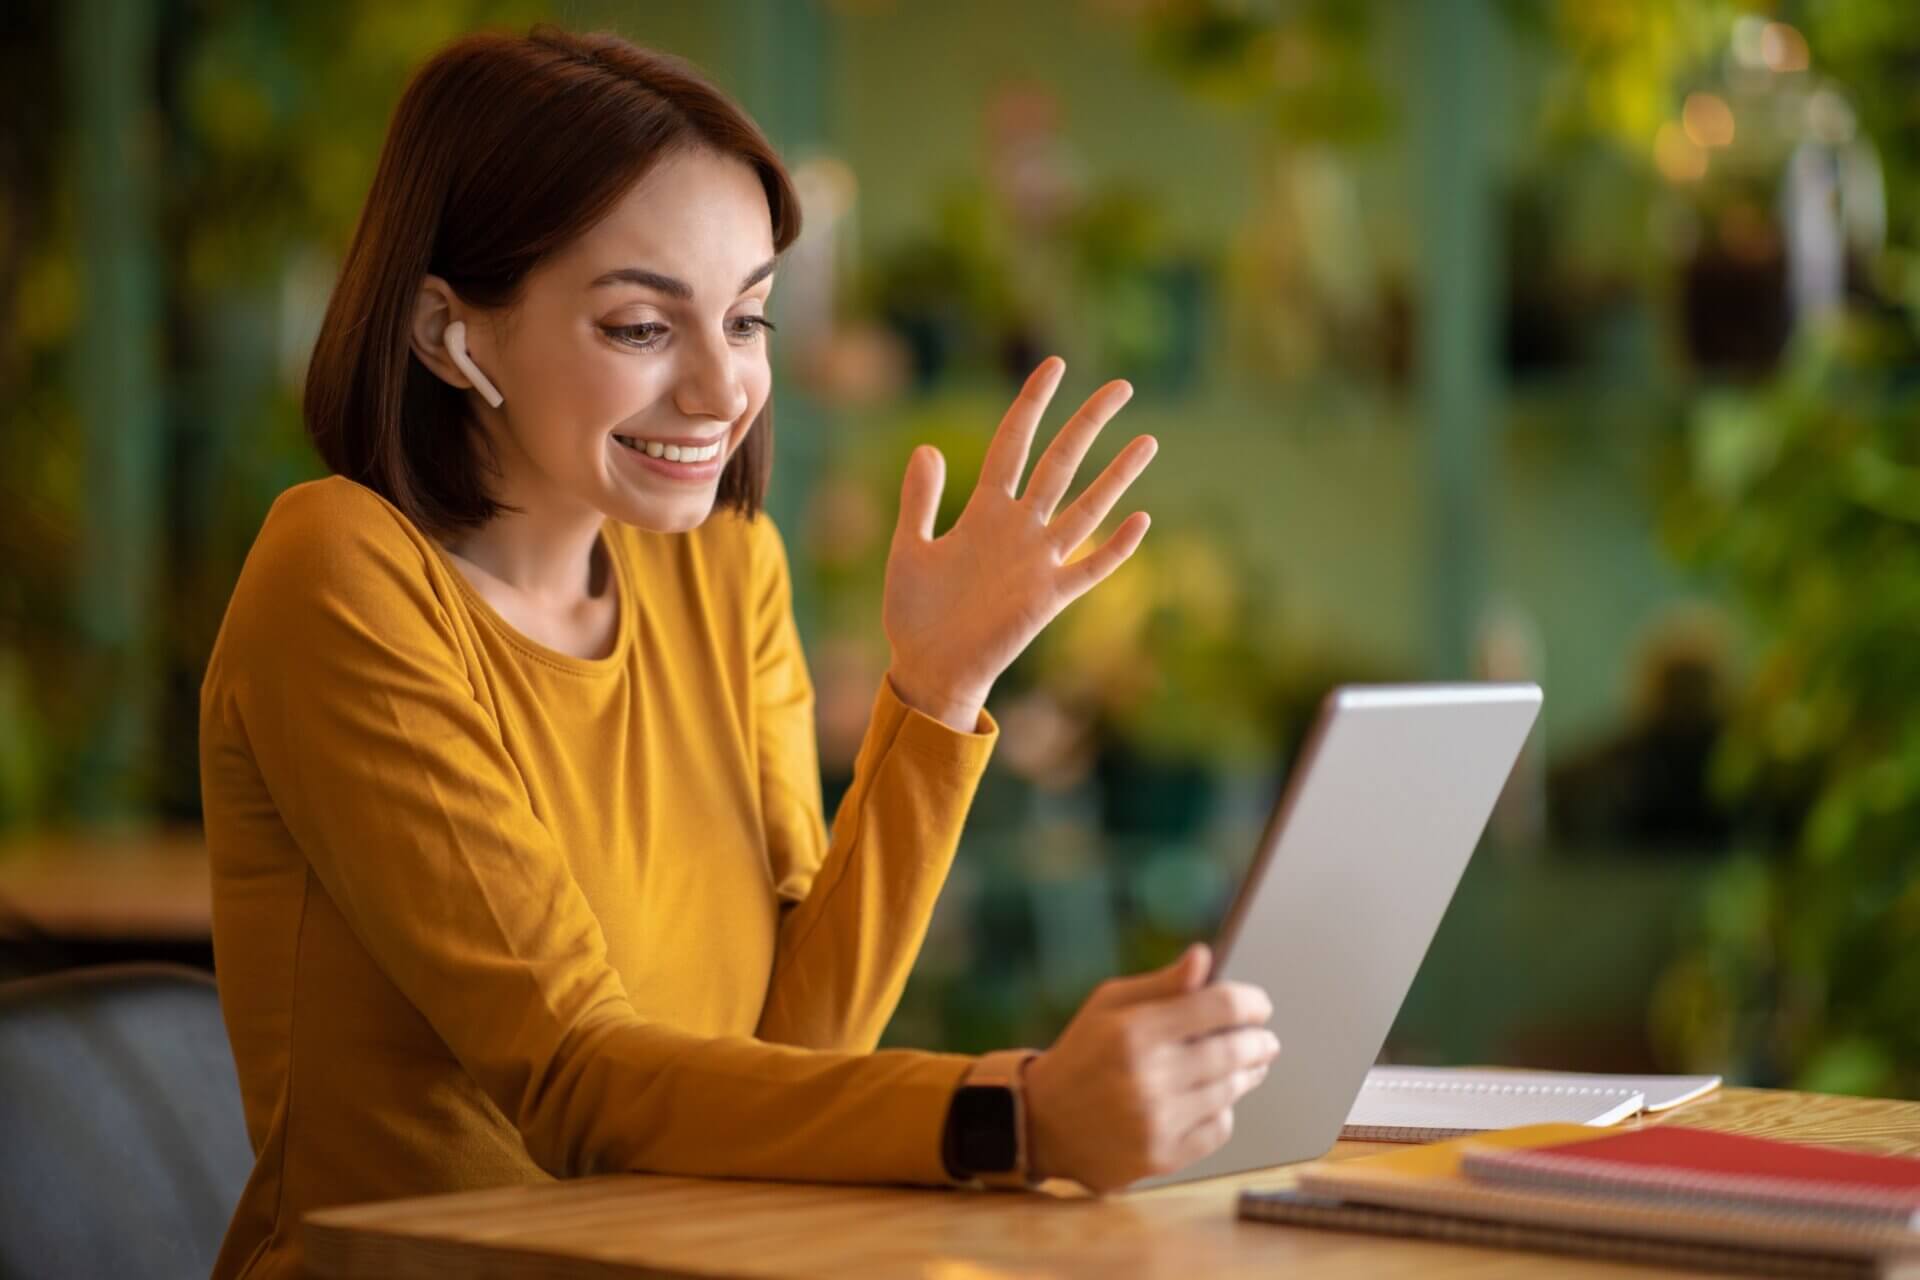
column 765, row 583
column 750, row 539
column 766, row 550
column 336, row 548
column 319, row 524
column 727, row 552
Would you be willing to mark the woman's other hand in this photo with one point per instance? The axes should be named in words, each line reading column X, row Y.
column 959, row 608
column 1143, row 1080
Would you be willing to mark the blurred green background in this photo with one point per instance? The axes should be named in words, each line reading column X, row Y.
column 1550, row 340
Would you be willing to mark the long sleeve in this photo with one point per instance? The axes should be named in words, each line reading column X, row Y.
column 862, row 902
column 345, row 678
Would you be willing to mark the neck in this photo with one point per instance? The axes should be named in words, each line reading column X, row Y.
column 546, row 550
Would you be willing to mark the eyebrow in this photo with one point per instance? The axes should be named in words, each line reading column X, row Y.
column 677, row 288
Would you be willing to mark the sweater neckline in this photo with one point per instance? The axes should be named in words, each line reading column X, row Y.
column 623, row 607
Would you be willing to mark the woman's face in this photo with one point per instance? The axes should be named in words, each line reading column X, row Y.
column 640, row 339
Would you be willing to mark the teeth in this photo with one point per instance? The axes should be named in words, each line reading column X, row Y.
column 672, row 452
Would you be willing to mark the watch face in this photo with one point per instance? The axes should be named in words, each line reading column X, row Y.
column 983, row 1124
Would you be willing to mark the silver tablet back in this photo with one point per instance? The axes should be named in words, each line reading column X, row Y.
column 1356, row 867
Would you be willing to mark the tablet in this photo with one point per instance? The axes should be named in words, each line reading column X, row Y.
column 1363, row 851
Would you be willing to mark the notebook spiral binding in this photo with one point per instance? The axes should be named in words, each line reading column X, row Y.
column 1403, row 1133
column 1488, row 1086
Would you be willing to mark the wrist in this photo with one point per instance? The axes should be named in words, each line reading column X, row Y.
column 985, row 1140
column 958, row 711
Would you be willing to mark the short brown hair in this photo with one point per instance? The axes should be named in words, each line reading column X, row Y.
column 502, row 150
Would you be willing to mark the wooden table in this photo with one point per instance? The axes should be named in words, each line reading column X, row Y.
column 70, row 899
column 152, row 885
column 635, row 1225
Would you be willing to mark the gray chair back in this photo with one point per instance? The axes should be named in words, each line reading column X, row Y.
column 123, row 1148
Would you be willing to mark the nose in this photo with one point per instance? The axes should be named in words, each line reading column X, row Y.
column 709, row 386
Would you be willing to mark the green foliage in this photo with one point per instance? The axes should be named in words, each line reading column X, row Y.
column 265, row 124
column 1872, row 46
column 1305, row 66
column 987, row 286
column 1805, row 494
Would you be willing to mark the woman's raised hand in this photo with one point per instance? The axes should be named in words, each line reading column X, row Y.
column 959, row 608
column 1143, row 1080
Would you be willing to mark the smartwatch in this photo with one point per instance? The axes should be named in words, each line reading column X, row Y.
column 986, row 1134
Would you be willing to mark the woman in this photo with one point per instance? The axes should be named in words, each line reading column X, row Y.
column 507, row 741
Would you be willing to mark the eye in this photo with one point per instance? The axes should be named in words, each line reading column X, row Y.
column 640, row 336
column 646, row 335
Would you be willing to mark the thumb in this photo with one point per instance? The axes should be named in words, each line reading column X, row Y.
column 920, row 493
column 1184, row 974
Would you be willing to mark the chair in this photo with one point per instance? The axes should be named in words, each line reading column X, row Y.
column 123, row 1148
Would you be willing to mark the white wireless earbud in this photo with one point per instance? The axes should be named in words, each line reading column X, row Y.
column 456, row 340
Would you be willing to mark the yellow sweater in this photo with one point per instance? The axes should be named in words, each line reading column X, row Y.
column 487, row 913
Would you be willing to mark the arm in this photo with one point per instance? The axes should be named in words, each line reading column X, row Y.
column 863, row 901
column 348, row 684
column 957, row 608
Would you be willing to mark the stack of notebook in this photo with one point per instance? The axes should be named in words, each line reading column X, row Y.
column 1666, row 1194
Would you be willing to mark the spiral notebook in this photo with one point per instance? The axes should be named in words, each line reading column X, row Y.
column 1428, row 1104
column 1716, row 1170
column 1427, row 1191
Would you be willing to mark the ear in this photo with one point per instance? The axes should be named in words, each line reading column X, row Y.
column 434, row 308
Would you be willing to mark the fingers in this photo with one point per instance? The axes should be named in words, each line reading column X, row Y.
column 1224, row 1006
column 1184, row 974
column 920, row 493
column 1058, row 465
column 1206, row 1137
column 1211, row 1103
column 1084, row 574
column 1090, row 508
column 1220, row 1057
column 1007, row 455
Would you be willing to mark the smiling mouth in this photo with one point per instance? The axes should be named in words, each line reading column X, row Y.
column 684, row 453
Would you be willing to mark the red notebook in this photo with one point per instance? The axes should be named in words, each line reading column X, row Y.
column 1755, row 1174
